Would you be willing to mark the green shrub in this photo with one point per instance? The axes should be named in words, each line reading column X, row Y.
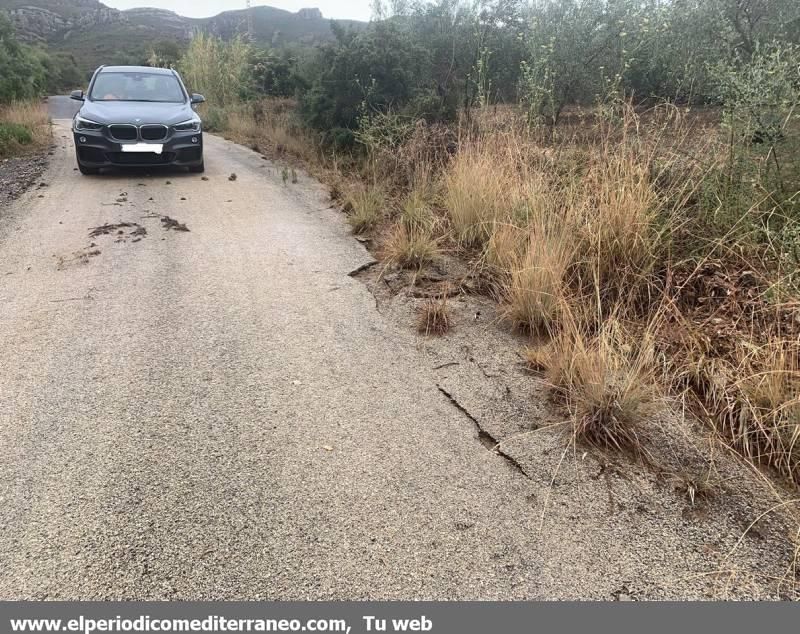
column 214, row 119
column 13, row 135
column 22, row 73
column 339, row 139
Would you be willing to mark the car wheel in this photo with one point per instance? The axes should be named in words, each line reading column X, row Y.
column 198, row 169
column 88, row 171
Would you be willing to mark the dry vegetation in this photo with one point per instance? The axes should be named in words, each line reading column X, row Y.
column 24, row 125
column 434, row 317
column 613, row 242
column 267, row 125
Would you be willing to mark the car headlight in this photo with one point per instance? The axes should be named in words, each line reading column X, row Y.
column 192, row 125
column 85, row 125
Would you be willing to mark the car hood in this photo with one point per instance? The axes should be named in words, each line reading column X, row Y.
column 136, row 112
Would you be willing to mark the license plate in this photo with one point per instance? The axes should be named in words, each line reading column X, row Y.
column 155, row 148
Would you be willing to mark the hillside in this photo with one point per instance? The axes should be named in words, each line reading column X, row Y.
column 96, row 34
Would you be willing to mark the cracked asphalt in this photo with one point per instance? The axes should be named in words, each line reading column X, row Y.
column 222, row 413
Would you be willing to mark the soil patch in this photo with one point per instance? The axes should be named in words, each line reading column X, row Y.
column 19, row 174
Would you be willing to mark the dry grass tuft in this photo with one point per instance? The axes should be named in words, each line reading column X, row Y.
column 241, row 125
column 751, row 398
column 607, row 382
column 411, row 248
column 505, row 248
column 417, row 212
column 412, row 243
column 477, row 194
column 366, row 206
column 538, row 357
column 536, row 285
column 696, row 488
column 434, row 317
column 30, row 114
column 615, row 221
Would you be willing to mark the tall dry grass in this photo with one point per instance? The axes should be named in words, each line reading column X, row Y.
column 581, row 232
column 555, row 234
column 538, row 278
column 218, row 69
column 751, row 396
column 25, row 124
column 269, row 125
column 582, row 239
column 479, row 193
column 366, row 206
column 614, row 221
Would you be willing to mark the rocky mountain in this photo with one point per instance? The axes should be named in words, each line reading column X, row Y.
column 40, row 20
column 96, row 34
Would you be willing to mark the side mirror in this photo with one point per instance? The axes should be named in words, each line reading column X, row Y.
column 197, row 99
column 77, row 95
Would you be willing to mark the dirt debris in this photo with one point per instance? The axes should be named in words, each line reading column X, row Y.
column 136, row 230
column 80, row 257
column 170, row 224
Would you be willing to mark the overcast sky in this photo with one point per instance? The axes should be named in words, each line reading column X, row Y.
column 352, row 9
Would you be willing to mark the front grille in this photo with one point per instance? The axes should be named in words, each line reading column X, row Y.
column 154, row 132
column 141, row 158
column 124, row 132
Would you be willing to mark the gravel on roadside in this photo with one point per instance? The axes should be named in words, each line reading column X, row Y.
column 18, row 174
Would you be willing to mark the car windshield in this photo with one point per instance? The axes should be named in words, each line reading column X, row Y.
column 124, row 86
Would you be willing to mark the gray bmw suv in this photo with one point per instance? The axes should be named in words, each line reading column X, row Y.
column 139, row 117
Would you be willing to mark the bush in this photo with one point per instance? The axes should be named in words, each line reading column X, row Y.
column 370, row 71
column 762, row 114
column 215, row 119
column 339, row 139
column 432, row 107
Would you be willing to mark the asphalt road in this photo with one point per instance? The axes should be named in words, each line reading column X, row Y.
column 222, row 413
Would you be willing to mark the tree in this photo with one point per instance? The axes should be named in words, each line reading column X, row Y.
column 378, row 69
column 22, row 73
column 275, row 73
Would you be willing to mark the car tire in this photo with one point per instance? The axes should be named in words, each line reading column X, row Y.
column 198, row 169
column 88, row 171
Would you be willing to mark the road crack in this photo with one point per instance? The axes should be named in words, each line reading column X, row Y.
column 364, row 267
column 486, row 439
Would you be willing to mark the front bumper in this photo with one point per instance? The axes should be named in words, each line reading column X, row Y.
column 96, row 150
